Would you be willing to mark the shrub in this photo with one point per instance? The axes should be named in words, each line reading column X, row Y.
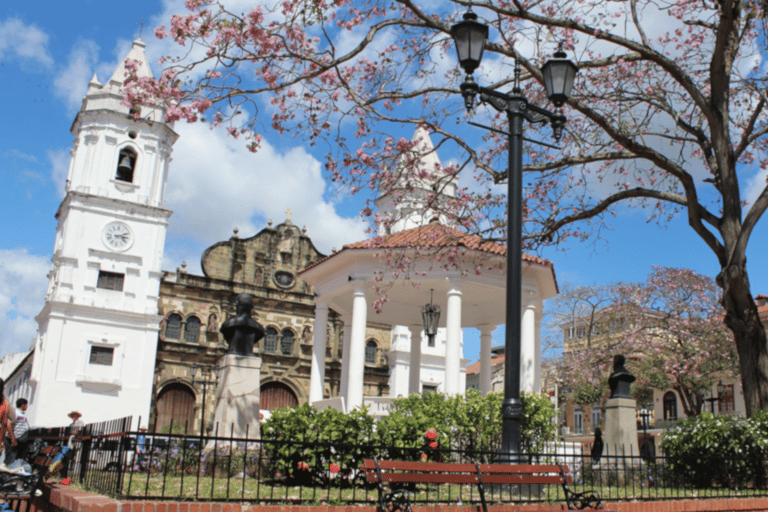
column 304, row 445
column 469, row 423
column 717, row 450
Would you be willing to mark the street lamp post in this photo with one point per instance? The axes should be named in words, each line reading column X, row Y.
column 205, row 374
column 470, row 37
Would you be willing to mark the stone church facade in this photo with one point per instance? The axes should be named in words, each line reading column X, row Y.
column 193, row 307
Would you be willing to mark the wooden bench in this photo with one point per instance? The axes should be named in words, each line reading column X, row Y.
column 46, row 462
column 400, row 472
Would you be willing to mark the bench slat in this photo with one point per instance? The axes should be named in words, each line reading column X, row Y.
column 432, row 478
column 522, row 479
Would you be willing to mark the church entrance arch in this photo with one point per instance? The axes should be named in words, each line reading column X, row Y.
column 275, row 395
column 175, row 403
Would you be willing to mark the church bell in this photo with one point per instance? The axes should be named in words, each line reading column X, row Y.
column 125, row 169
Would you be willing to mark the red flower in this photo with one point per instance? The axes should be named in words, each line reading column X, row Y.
column 433, row 444
column 303, row 465
column 423, row 456
column 431, row 434
column 334, row 467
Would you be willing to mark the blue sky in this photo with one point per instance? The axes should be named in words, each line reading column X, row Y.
column 48, row 53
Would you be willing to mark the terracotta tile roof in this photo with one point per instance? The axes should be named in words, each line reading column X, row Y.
column 434, row 235
column 475, row 367
column 762, row 312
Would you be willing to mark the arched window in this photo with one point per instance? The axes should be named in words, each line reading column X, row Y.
column 192, row 330
column 286, row 342
column 670, row 405
column 173, row 327
column 126, row 165
column 371, row 350
column 270, row 341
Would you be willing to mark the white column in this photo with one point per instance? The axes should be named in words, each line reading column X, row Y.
column 537, row 384
column 528, row 347
column 453, row 340
column 345, row 343
column 357, row 349
column 414, row 364
column 485, row 357
column 317, row 376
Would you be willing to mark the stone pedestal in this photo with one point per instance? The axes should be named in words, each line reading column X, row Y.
column 620, row 435
column 238, row 397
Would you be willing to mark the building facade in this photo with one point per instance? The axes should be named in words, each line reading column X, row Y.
column 193, row 307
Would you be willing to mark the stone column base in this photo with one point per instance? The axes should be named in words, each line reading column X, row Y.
column 238, row 398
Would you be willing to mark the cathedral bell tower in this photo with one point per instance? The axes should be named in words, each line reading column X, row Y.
column 97, row 336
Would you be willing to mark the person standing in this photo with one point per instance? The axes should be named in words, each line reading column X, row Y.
column 7, row 417
column 20, row 430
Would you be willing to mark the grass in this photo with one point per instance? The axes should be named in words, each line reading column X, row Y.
column 192, row 487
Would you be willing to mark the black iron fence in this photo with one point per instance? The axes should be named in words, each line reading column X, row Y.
column 111, row 459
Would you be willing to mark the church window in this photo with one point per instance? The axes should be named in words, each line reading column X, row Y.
column 173, row 327
column 670, row 405
column 101, row 355
column 126, row 165
column 371, row 350
column 286, row 342
column 192, row 330
column 270, row 341
column 110, row 281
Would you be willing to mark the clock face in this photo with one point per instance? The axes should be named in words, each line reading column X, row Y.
column 117, row 236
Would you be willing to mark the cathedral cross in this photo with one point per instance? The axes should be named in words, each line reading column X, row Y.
column 289, row 212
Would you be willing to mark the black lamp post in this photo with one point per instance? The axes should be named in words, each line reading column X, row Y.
column 430, row 314
column 470, row 37
column 204, row 383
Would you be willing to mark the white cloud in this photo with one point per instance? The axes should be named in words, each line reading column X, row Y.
column 59, row 159
column 71, row 82
column 27, row 43
column 215, row 184
column 23, row 283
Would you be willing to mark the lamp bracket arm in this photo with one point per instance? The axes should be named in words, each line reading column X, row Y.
column 515, row 105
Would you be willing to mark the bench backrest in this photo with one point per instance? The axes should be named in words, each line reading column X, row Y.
column 436, row 472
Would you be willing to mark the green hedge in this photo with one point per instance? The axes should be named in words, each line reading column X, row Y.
column 711, row 449
column 418, row 427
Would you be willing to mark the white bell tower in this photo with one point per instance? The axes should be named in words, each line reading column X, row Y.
column 97, row 335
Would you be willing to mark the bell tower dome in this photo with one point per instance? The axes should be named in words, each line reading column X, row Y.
column 97, row 334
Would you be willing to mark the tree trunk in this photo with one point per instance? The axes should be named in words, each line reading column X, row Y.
column 743, row 320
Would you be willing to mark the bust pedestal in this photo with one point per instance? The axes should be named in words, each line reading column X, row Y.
column 620, row 436
column 238, row 397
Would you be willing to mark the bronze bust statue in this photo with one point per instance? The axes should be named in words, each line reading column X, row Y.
column 241, row 331
column 620, row 379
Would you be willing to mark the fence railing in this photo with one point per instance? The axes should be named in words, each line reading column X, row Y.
column 172, row 466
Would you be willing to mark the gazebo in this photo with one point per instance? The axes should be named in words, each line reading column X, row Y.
column 462, row 273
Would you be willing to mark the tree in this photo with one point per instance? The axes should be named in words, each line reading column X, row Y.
column 670, row 327
column 680, row 333
column 668, row 113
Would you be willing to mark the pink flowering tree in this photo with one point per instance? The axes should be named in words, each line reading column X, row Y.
column 668, row 113
column 669, row 327
column 680, row 333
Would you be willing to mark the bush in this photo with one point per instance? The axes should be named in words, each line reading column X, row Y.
column 719, row 450
column 469, row 423
column 306, row 446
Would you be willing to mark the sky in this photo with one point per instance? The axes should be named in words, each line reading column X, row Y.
column 48, row 53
